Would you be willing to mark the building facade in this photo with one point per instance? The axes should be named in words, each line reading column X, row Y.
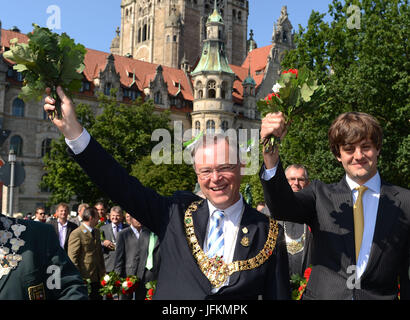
column 205, row 90
column 166, row 31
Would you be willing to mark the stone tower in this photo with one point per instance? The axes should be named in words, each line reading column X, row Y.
column 282, row 40
column 213, row 81
column 166, row 31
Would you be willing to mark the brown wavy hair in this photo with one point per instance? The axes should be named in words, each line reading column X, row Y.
column 352, row 127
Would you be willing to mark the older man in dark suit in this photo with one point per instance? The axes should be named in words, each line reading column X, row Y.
column 136, row 245
column 216, row 248
column 360, row 225
column 109, row 234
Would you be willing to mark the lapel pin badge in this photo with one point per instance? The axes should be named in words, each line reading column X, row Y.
column 245, row 241
column 245, row 230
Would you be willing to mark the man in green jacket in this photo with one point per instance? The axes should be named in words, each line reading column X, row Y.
column 33, row 266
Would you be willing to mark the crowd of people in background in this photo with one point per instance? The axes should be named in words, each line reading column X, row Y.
column 99, row 241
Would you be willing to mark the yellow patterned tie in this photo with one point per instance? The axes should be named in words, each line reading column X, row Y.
column 358, row 220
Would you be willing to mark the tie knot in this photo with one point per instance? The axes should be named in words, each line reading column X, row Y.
column 361, row 189
column 218, row 214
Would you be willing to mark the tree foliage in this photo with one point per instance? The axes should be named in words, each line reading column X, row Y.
column 123, row 130
column 366, row 70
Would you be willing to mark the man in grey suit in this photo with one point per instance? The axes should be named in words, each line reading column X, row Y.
column 109, row 233
column 135, row 247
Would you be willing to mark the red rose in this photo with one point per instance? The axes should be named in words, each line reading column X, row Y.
column 129, row 284
column 270, row 96
column 117, row 283
column 102, row 219
column 307, row 273
column 109, row 295
column 103, row 283
column 151, row 292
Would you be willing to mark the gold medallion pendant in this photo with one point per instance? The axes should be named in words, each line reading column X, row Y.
column 215, row 269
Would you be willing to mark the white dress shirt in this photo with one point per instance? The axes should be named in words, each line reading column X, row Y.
column 370, row 205
column 136, row 232
column 62, row 232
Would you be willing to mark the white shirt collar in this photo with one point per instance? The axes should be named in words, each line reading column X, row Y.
column 373, row 184
column 233, row 210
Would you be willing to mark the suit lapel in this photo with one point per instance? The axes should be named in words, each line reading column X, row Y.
column 200, row 219
column 343, row 216
column 247, row 229
column 387, row 214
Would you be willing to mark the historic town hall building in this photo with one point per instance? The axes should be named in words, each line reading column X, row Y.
column 192, row 57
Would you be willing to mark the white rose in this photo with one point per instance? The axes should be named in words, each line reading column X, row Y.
column 107, row 278
column 276, row 87
column 125, row 284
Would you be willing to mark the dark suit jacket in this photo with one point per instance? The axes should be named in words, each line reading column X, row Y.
column 42, row 256
column 85, row 252
column 131, row 258
column 179, row 275
column 327, row 209
column 109, row 255
column 71, row 226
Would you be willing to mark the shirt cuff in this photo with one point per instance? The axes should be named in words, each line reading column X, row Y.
column 79, row 144
column 268, row 174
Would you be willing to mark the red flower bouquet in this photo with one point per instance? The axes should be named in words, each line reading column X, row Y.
column 129, row 285
column 299, row 284
column 150, row 286
column 295, row 93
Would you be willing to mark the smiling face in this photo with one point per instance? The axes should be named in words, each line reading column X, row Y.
column 359, row 160
column 218, row 178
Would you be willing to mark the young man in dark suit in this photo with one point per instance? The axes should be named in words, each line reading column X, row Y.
column 62, row 225
column 216, row 248
column 360, row 225
column 134, row 249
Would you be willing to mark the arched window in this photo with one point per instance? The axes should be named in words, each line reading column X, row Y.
column 16, row 143
column 212, row 89
column 285, row 37
column 17, row 108
column 224, row 125
column 158, row 98
column 197, row 128
column 107, row 88
column 210, row 126
column 144, row 33
column 45, row 147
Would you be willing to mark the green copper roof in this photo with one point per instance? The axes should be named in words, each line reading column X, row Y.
column 215, row 17
column 213, row 59
column 249, row 80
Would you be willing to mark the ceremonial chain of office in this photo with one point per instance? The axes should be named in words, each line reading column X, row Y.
column 215, row 269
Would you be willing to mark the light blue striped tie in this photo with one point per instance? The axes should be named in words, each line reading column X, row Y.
column 215, row 235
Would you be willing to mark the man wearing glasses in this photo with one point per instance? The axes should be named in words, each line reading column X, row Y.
column 215, row 248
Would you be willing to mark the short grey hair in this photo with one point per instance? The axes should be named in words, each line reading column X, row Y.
column 116, row 209
column 298, row 166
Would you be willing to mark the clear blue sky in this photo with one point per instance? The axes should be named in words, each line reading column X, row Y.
column 93, row 22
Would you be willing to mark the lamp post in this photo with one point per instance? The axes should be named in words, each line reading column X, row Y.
column 12, row 161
